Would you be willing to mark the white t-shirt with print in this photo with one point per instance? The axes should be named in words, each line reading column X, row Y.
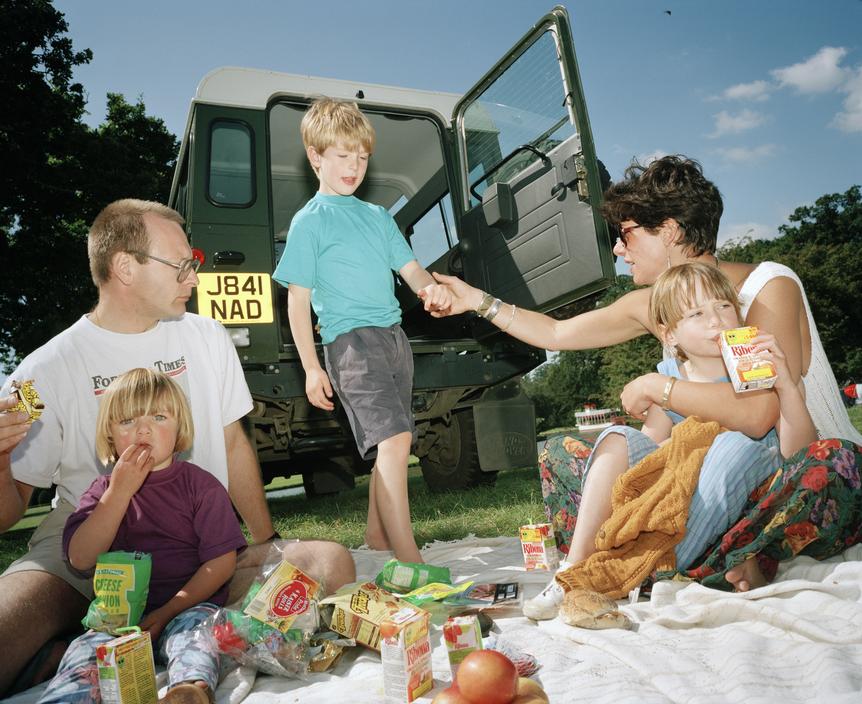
column 72, row 370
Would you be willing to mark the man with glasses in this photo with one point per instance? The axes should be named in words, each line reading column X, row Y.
column 143, row 267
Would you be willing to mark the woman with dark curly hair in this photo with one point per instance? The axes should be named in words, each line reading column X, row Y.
column 668, row 213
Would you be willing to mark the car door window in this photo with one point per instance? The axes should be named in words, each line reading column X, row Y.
column 526, row 105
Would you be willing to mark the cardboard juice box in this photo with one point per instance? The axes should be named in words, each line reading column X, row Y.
column 539, row 547
column 360, row 613
column 127, row 674
column 463, row 635
column 746, row 371
column 405, row 650
column 285, row 595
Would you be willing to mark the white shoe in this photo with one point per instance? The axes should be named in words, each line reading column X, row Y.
column 545, row 605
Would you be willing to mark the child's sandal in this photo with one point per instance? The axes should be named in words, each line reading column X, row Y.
column 188, row 693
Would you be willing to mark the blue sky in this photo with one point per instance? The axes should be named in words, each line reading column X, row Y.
column 766, row 94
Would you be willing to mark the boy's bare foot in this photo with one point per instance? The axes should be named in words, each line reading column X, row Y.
column 746, row 576
column 375, row 541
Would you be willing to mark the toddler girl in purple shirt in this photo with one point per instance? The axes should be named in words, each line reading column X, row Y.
column 156, row 503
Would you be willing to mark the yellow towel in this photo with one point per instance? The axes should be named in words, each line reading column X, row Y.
column 649, row 510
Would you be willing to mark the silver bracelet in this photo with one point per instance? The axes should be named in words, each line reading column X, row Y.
column 511, row 319
column 487, row 300
column 493, row 310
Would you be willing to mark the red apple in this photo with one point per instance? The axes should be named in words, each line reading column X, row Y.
column 487, row 677
column 450, row 695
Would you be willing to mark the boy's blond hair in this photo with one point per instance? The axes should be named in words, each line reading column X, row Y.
column 140, row 392
column 674, row 291
column 328, row 122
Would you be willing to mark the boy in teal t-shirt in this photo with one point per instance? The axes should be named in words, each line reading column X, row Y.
column 339, row 259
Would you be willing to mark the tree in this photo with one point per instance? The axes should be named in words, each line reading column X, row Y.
column 822, row 245
column 58, row 173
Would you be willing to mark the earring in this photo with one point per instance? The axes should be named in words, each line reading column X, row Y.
column 667, row 254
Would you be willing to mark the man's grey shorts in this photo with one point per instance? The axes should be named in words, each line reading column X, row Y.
column 371, row 370
column 46, row 551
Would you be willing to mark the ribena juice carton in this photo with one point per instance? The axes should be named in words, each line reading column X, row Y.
column 126, row 671
column 539, row 547
column 463, row 635
column 746, row 371
column 405, row 650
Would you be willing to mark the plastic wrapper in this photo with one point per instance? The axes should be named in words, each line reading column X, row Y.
column 525, row 663
column 398, row 577
column 281, row 645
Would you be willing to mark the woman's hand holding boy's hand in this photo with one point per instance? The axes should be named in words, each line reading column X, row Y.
column 318, row 388
column 131, row 470
column 437, row 299
column 462, row 296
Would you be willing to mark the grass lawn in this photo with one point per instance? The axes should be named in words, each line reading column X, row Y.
column 515, row 499
column 487, row 511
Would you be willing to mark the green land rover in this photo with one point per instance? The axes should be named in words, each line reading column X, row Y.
column 499, row 186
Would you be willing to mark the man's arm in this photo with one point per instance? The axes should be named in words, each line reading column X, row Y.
column 317, row 385
column 245, row 484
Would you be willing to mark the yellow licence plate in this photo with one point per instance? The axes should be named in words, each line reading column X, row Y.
column 235, row 298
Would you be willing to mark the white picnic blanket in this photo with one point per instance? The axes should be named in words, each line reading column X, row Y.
column 796, row 640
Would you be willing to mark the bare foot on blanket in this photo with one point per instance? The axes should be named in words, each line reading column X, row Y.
column 746, row 576
column 376, row 541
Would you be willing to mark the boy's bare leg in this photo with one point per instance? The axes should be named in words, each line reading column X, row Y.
column 610, row 460
column 375, row 533
column 390, row 490
column 34, row 607
column 746, row 576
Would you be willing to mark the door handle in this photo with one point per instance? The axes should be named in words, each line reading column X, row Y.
column 229, row 256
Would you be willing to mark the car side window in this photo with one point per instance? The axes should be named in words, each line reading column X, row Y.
column 231, row 170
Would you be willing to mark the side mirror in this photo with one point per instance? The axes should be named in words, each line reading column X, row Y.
column 498, row 204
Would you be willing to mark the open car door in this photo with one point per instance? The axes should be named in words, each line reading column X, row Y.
column 531, row 232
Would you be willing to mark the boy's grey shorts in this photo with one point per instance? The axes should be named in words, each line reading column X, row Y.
column 371, row 370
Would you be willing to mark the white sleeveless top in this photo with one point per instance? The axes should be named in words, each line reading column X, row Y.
column 822, row 395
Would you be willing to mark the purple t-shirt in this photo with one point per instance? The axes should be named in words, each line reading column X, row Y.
column 181, row 515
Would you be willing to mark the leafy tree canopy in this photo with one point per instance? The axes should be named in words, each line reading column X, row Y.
column 58, row 173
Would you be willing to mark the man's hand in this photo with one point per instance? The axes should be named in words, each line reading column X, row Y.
column 437, row 298
column 13, row 426
column 319, row 389
column 131, row 470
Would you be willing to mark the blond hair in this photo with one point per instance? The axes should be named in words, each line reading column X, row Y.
column 674, row 292
column 328, row 122
column 120, row 227
column 140, row 392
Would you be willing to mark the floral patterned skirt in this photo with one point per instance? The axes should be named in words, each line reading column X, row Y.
column 812, row 506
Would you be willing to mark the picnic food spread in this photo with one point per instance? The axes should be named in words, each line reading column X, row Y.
column 585, row 609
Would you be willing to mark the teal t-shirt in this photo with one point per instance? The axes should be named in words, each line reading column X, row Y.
column 345, row 251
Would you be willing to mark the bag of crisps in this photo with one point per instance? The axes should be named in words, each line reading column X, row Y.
column 121, row 583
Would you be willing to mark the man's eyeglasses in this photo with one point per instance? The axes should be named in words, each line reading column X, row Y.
column 625, row 232
column 184, row 268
